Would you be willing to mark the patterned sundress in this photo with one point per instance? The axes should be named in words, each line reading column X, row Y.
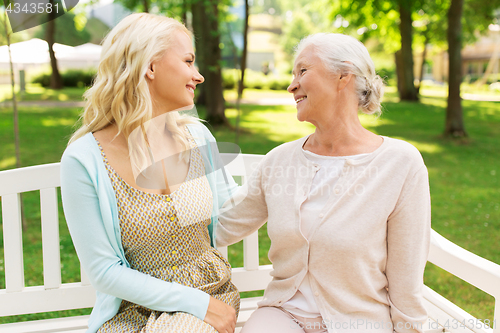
column 166, row 236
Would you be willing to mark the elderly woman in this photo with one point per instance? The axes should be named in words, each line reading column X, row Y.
column 348, row 211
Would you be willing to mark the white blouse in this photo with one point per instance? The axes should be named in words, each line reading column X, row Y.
column 323, row 184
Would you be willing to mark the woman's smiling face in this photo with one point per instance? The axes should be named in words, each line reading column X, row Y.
column 313, row 87
column 173, row 78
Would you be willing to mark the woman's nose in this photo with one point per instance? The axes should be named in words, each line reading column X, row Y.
column 198, row 77
column 293, row 86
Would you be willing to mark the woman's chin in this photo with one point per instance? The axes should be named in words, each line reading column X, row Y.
column 301, row 116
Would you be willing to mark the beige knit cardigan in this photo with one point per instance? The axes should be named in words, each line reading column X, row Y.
column 367, row 255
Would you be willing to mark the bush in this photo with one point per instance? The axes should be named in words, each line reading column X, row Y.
column 70, row 78
column 280, row 82
column 255, row 80
column 387, row 73
column 230, row 78
column 43, row 79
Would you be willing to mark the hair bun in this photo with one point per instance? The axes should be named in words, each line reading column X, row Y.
column 370, row 102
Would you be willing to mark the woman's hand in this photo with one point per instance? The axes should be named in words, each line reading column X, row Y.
column 221, row 316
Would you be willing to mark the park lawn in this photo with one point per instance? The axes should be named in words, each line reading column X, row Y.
column 463, row 177
column 35, row 92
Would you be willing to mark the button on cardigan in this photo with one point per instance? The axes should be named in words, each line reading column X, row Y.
column 91, row 214
column 367, row 256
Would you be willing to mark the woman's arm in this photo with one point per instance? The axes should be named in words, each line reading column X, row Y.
column 408, row 237
column 96, row 245
column 247, row 216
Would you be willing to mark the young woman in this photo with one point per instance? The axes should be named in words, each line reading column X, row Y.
column 148, row 250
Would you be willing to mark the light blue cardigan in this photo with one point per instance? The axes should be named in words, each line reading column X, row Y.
column 91, row 213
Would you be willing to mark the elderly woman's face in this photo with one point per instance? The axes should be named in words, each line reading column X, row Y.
column 313, row 87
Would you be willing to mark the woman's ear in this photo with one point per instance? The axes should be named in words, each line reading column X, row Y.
column 151, row 71
column 344, row 80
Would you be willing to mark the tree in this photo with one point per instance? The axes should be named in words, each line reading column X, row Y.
column 406, row 78
column 137, row 5
column 207, row 38
column 454, row 115
column 243, row 64
column 466, row 18
column 66, row 32
column 55, row 77
column 392, row 21
column 16, row 114
column 14, row 100
column 296, row 26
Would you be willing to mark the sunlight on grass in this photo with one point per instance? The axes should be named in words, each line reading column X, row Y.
column 430, row 148
column 369, row 121
column 63, row 97
column 58, row 122
column 7, row 162
column 35, row 89
column 254, row 94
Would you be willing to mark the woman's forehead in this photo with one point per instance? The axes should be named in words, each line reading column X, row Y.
column 182, row 41
column 307, row 56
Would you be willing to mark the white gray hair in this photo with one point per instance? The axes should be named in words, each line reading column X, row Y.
column 346, row 55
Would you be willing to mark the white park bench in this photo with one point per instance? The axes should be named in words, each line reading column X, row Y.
column 53, row 295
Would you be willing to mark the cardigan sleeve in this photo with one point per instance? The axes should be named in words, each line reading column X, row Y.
column 108, row 273
column 249, row 213
column 408, row 237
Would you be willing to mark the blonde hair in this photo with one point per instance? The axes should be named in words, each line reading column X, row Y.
column 120, row 92
column 345, row 54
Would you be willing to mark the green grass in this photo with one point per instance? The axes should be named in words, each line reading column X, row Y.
column 35, row 92
column 464, row 176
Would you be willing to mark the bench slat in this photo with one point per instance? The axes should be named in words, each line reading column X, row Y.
column 251, row 252
column 223, row 251
column 38, row 299
column 251, row 280
column 77, row 324
column 50, row 238
column 446, row 313
column 29, row 179
column 84, row 277
column 13, row 242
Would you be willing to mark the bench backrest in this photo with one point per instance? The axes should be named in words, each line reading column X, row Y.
column 53, row 295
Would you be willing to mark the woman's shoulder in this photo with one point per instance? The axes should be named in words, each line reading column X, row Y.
column 402, row 150
column 286, row 149
column 199, row 130
column 80, row 149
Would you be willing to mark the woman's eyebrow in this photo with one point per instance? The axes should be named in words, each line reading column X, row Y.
column 298, row 65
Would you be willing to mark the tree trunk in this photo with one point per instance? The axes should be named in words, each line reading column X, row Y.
column 145, row 3
column 184, row 13
column 454, row 114
column 206, row 31
column 16, row 119
column 408, row 91
column 55, row 78
column 245, row 51
column 424, row 56
column 399, row 70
